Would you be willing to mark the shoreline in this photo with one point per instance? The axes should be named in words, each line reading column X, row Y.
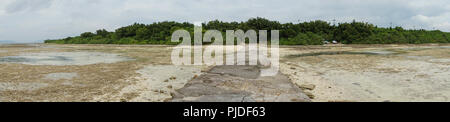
column 369, row 73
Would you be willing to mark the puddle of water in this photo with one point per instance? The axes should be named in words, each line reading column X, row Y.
column 445, row 60
column 419, row 57
column 423, row 48
column 370, row 52
column 417, row 48
column 251, row 72
column 64, row 58
column 21, row 86
column 380, row 52
column 445, row 47
column 59, row 76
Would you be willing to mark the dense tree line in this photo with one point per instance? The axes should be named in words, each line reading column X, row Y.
column 306, row 33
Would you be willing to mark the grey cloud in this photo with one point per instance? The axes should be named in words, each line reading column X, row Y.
column 27, row 5
column 29, row 20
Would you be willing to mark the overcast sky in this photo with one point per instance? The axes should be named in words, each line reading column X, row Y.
column 31, row 20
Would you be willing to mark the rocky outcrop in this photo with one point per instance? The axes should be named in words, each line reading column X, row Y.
column 239, row 84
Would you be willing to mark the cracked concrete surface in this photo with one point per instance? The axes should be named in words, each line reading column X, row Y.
column 239, row 84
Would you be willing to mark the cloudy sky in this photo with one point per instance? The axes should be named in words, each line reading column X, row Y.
column 31, row 20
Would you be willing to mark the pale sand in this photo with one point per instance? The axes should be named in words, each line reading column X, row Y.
column 157, row 82
column 411, row 73
column 417, row 75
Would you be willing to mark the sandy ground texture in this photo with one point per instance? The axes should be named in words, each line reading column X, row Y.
column 386, row 73
column 69, row 73
column 42, row 72
column 46, row 72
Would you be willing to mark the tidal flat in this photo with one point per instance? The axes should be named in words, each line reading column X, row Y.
column 145, row 73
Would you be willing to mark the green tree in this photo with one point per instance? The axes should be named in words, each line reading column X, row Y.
column 87, row 35
column 102, row 32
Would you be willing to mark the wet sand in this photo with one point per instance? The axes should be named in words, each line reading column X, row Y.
column 380, row 74
column 144, row 73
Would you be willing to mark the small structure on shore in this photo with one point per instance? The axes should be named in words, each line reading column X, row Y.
column 334, row 42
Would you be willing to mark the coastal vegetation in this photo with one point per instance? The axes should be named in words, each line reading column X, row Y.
column 306, row 33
